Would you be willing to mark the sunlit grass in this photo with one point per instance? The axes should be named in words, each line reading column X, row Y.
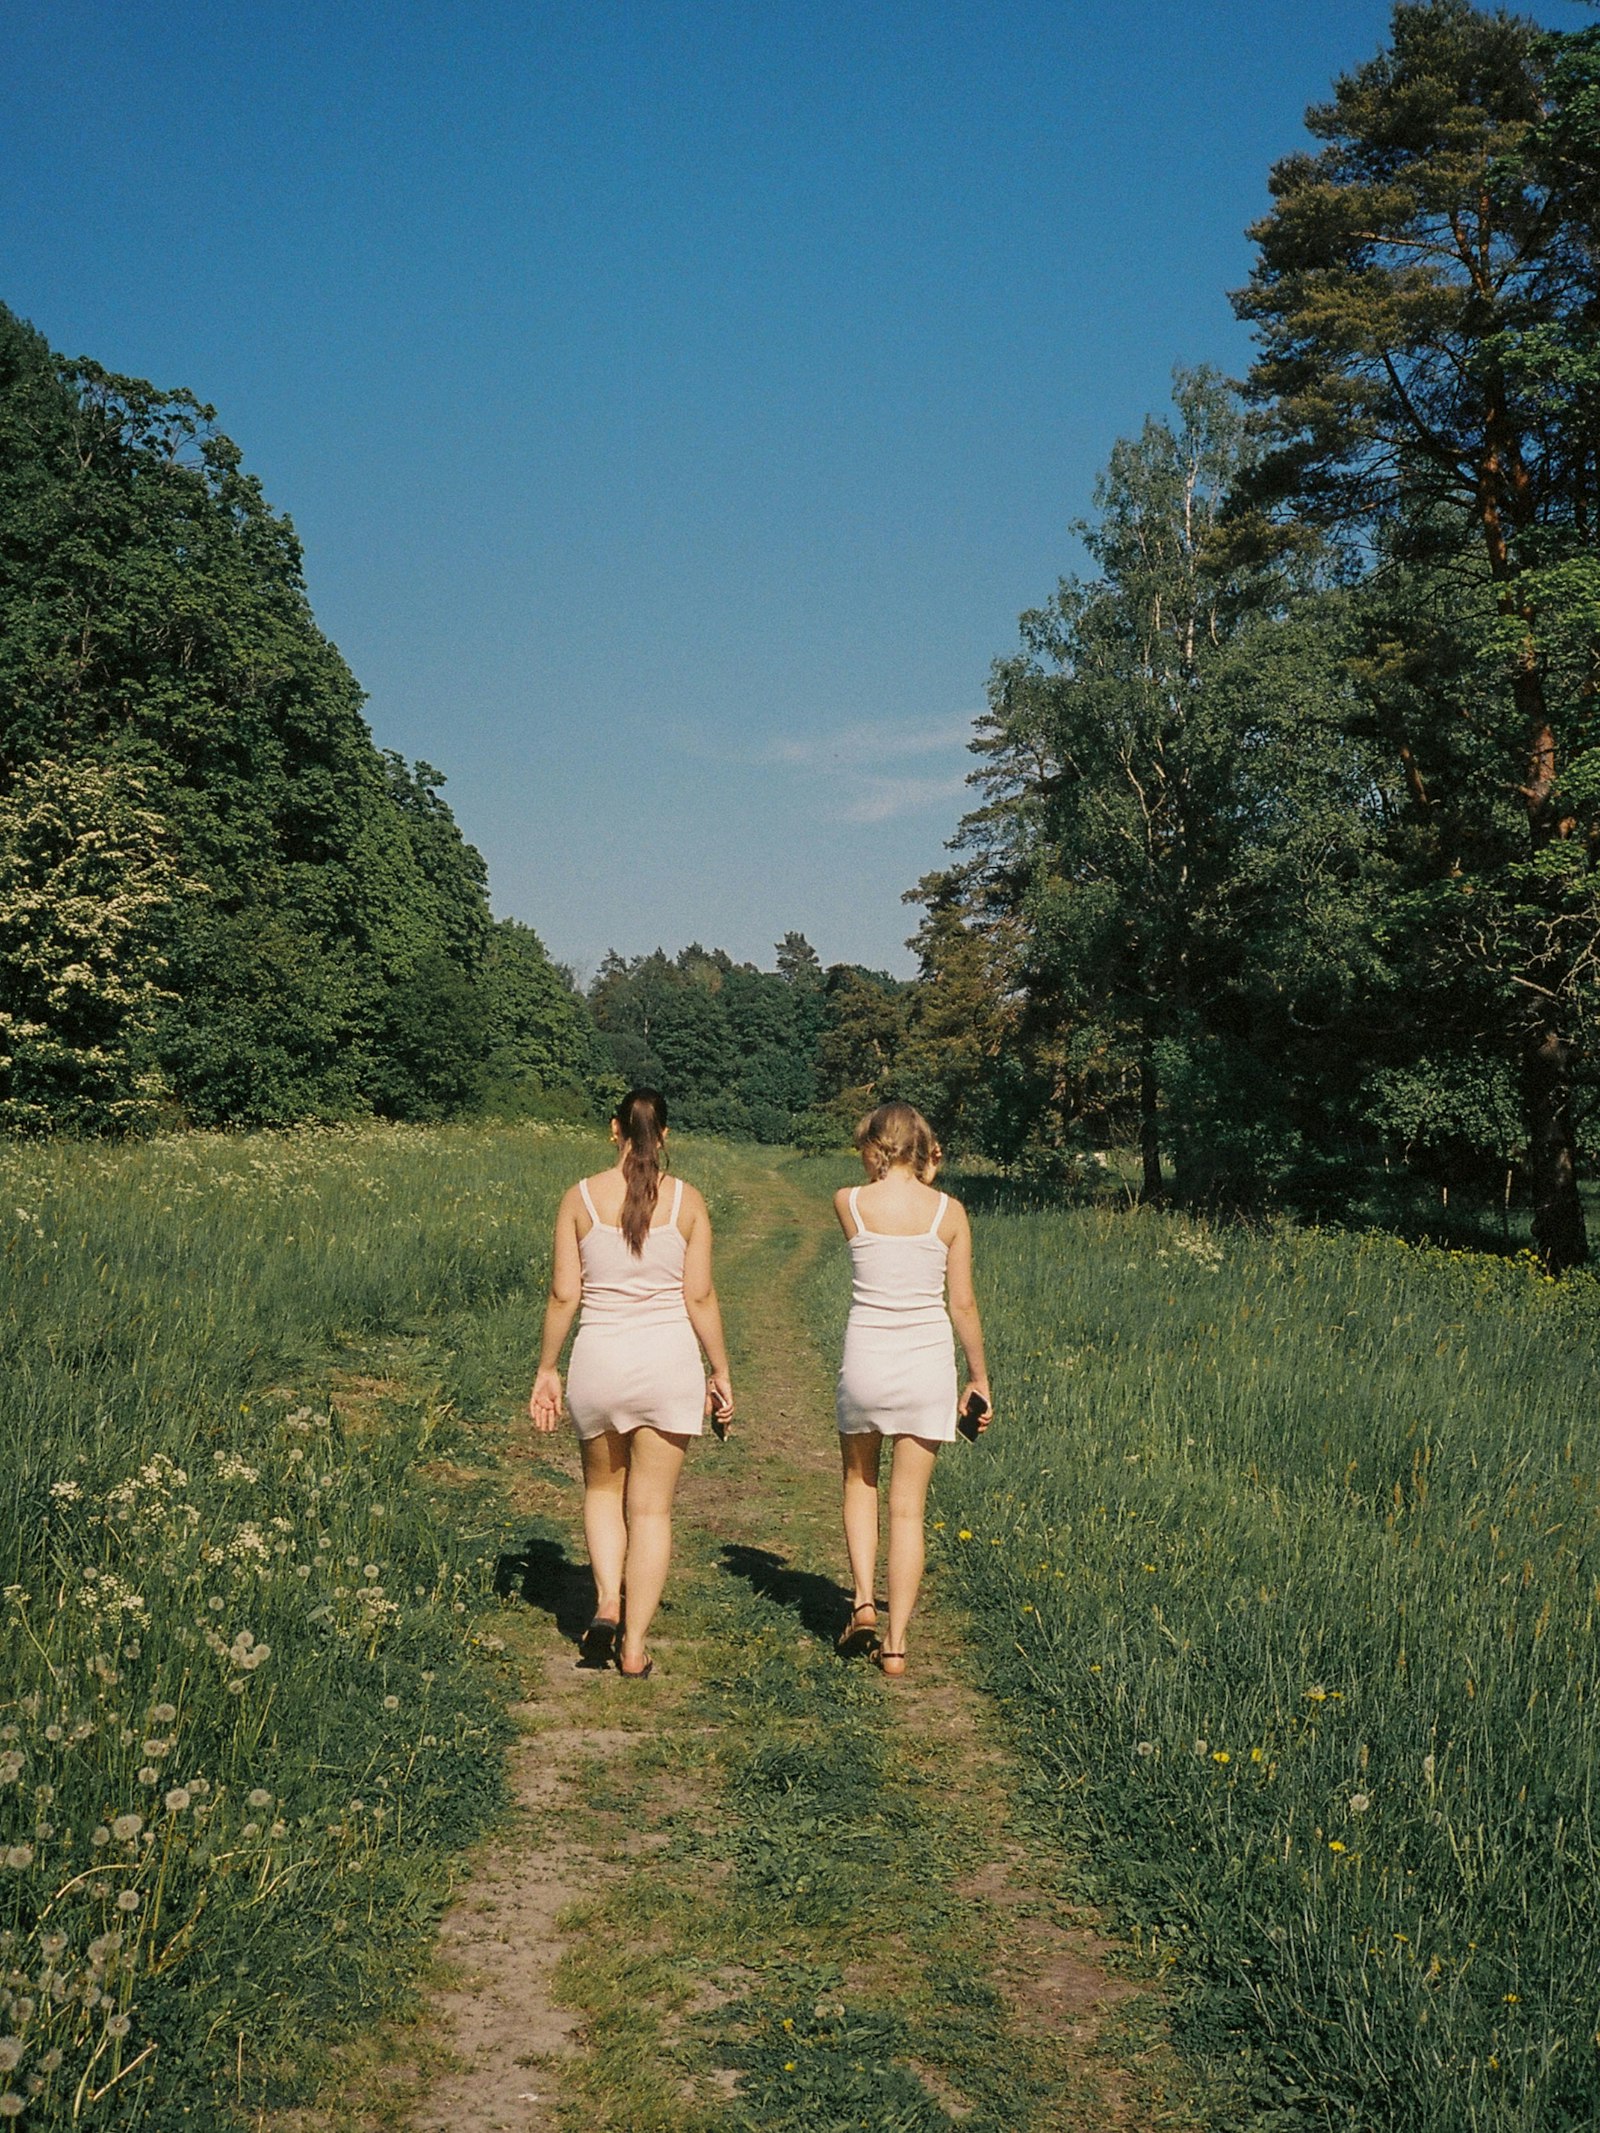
column 1285, row 1554
column 240, row 1730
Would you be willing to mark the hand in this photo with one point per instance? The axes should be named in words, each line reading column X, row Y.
column 981, row 1387
column 545, row 1404
column 719, row 1396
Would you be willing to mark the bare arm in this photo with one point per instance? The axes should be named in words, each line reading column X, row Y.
column 700, row 1301
column 964, row 1304
column 566, row 1289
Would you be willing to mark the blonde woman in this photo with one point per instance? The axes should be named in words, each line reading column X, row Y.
column 909, row 1245
column 638, row 1259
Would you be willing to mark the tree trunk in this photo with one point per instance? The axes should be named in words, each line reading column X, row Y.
column 1149, row 1130
column 1559, row 1234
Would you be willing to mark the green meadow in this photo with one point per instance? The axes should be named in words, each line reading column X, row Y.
column 1281, row 1560
column 243, row 1727
column 1284, row 1561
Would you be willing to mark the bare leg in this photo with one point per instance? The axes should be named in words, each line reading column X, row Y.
column 861, row 1450
column 908, row 1501
column 654, row 1464
column 605, row 1477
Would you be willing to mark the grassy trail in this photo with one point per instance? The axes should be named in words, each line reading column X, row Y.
column 765, row 1890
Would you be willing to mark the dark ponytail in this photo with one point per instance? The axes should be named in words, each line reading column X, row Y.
column 642, row 1121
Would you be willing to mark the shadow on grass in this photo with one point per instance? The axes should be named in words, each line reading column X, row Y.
column 543, row 1574
column 821, row 1603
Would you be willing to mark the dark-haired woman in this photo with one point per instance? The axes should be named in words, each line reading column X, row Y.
column 638, row 1259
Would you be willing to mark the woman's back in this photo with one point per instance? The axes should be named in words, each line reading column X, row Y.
column 624, row 1289
column 897, row 1273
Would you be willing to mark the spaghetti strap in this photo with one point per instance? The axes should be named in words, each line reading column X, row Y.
column 938, row 1214
column 861, row 1227
column 677, row 1202
column 583, row 1188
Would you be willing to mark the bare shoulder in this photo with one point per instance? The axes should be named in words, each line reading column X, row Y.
column 694, row 1208
column 954, row 1219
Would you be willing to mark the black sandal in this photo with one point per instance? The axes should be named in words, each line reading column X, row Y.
column 856, row 1636
column 643, row 1673
column 598, row 1644
column 884, row 1661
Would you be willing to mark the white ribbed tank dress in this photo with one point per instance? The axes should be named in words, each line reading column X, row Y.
column 898, row 1375
column 636, row 1361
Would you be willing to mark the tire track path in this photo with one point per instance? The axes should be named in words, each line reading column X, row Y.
column 763, row 1890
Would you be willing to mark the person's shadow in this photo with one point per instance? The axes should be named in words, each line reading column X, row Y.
column 543, row 1574
column 821, row 1603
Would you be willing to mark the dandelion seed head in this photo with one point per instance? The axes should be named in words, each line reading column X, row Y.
column 99, row 1835
column 1360, row 1802
column 126, row 1826
column 128, row 1900
column 258, row 1796
column 176, row 1800
column 19, row 1856
column 163, row 1714
column 149, row 1774
column 391, row 1703
column 10, row 2053
column 119, row 2025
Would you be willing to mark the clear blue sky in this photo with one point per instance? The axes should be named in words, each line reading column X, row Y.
column 677, row 399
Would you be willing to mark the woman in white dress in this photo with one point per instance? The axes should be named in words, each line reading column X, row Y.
column 638, row 1259
column 909, row 1244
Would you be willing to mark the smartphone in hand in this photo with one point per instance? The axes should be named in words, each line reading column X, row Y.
column 719, row 1418
column 970, row 1419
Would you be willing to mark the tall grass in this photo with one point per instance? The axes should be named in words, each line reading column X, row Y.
column 240, row 1729
column 1285, row 1551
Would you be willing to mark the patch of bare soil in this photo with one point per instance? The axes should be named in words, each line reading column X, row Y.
column 498, row 2017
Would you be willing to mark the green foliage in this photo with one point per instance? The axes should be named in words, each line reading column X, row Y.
column 86, row 873
column 318, row 923
column 735, row 1049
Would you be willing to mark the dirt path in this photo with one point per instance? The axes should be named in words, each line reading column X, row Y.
column 764, row 1890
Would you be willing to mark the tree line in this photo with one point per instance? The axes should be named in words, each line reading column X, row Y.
column 1284, row 856
column 1290, row 806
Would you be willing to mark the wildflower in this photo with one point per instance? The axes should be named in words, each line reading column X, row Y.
column 965, row 1534
column 119, row 2025
column 1144, row 1747
column 259, row 1797
column 1513, row 1999
column 163, row 1714
column 52, row 1945
column 157, row 1747
column 1258, row 1755
column 128, row 1900
column 176, row 1800
column 99, row 1835
column 1318, row 1694
column 127, row 1826
column 251, row 1829
column 11, row 1766
column 371, row 1572
column 1221, row 1755
column 149, row 1775
column 10, row 2053
column 50, row 2063
column 19, row 1856
column 391, row 1703
column 11, row 2105
column 1360, row 1802
column 1201, row 1746
column 1335, row 1846
column 66, row 1491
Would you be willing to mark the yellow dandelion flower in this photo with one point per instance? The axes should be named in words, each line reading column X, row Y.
column 1221, row 1755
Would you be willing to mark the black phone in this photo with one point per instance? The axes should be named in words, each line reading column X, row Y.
column 971, row 1416
column 719, row 1420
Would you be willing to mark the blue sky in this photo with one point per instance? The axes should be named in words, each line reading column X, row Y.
column 677, row 399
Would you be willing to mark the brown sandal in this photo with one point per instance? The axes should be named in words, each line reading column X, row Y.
column 892, row 1664
column 856, row 1636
